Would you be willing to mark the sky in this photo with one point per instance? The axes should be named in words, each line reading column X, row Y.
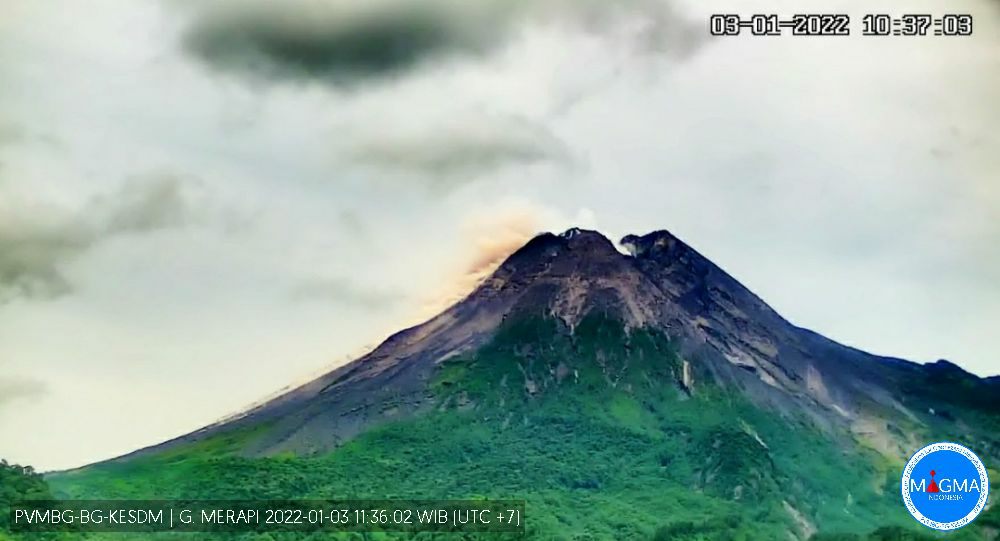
column 202, row 203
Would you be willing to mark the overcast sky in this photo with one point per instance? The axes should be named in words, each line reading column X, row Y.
column 203, row 202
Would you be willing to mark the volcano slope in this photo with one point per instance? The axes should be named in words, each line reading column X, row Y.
column 623, row 396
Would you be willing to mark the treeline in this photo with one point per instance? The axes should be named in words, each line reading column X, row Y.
column 18, row 483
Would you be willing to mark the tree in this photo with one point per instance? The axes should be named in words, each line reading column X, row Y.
column 19, row 483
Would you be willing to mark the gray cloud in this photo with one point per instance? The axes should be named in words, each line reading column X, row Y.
column 38, row 240
column 342, row 291
column 12, row 388
column 344, row 42
column 339, row 41
column 461, row 148
column 352, row 223
column 15, row 134
column 142, row 205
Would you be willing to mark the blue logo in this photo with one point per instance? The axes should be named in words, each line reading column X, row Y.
column 945, row 486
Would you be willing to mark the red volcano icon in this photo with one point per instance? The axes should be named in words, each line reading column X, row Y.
column 933, row 486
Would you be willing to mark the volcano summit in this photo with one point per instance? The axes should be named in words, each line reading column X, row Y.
column 622, row 395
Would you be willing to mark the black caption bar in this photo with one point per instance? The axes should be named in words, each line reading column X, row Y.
column 501, row 516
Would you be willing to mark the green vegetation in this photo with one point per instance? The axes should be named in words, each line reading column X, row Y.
column 591, row 428
column 19, row 483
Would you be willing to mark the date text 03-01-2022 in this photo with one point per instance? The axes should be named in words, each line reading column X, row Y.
column 839, row 24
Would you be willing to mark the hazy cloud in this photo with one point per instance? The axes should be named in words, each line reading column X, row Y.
column 14, row 388
column 342, row 291
column 11, row 133
column 343, row 42
column 38, row 239
column 461, row 147
column 142, row 205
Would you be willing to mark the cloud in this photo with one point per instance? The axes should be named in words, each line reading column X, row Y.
column 461, row 147
column 16, row 388
column 11, row 133
column 339, row 41
column 341, row 291
column 37, row 240
column 343, row 42
column 14, row 134
column 142, row 205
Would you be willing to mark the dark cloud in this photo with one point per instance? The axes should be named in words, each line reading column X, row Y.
column 461, row 148
column 341, row 291
column 338, row 41
column 143, row 205
column 12, row 389
column 345, row 41
column 38, row 240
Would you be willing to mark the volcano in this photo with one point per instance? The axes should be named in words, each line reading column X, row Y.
column 625, row 392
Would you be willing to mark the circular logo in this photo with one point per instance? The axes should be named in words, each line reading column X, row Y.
column 945, row 486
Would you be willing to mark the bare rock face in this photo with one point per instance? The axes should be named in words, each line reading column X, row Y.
column 687, row 380
column 721, row 329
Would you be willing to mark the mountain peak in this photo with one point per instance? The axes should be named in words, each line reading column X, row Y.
column 660, row 240
column 590, row 244
column 583, row 235
column 723, row 334
column 575, row 238
column 665, row 247
column 574, row 251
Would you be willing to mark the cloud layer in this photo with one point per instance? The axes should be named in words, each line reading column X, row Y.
column 37, row 240
column 460, row 148
column 343, row 291
column 345, row 42
column 13, row 389
column 340, row 41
